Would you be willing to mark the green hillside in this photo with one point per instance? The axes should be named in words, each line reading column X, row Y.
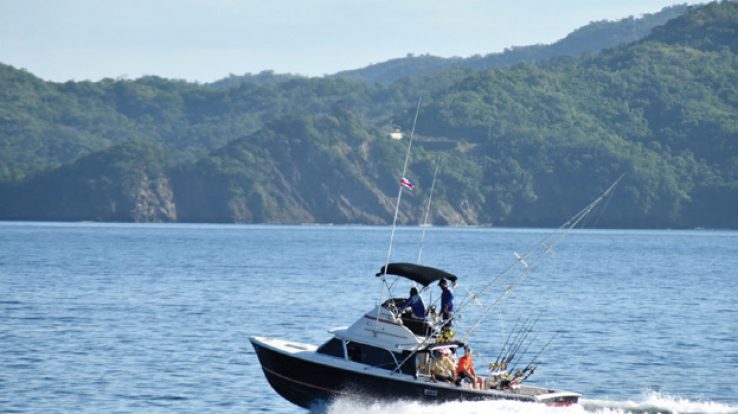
column 45, row 124
column 127, row 182
column 522, row 146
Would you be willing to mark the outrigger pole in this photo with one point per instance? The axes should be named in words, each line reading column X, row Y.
column 427, row 208
column 568, row 225
column 522, row 259
column 425, row 223
column 399, row 197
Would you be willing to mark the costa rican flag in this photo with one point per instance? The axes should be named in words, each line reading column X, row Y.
column 407, row 184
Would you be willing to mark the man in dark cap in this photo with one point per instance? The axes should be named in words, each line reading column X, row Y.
column 447, row 301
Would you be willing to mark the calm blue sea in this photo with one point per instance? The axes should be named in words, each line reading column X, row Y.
column 156, row 318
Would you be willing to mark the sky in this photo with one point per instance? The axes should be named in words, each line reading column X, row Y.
column 206, row 40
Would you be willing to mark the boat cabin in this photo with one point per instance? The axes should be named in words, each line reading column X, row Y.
column 370, row 355
column 388, row 338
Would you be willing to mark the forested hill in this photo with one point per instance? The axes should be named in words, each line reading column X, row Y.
column 527, row 145
column 591, row 38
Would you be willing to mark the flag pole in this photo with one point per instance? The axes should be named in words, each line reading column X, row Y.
column 399, row 194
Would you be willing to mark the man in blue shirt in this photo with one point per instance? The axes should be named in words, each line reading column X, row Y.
column 447, row 301
column 415, row 302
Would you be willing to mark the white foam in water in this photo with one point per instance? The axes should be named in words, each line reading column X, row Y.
column 357, row 406
column 653, row 403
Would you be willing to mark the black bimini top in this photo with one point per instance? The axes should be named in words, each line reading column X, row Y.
column 420, row 274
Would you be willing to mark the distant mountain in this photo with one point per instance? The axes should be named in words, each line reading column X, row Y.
column 526, row 145
column 591, row 38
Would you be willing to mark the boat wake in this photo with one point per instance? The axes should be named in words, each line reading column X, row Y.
column 652, row 403
column 655, row 402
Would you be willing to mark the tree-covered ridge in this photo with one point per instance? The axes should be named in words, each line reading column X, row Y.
column 47, row 124
column 266, row 77
column 127, row 182
column 591, row 38
column 663, row 113
column 706, row 28
column 522, row 146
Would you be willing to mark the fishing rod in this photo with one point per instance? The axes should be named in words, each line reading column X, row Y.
column 515, row 357
column 518, row 336
column 514, row 363
column 560, row 233
column 504, row 346
column 522, row 340
column 530, row 368
column 516, row 339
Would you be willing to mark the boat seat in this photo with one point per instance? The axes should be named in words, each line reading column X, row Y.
column 419, row 327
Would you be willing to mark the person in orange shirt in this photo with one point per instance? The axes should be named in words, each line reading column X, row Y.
column 465, row 369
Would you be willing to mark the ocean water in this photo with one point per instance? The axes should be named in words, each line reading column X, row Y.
column 156, row 318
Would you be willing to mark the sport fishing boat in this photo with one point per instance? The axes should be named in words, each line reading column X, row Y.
column 386, row 354
column 390, row 353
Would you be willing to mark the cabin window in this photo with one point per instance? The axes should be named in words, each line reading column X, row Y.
column 333, row 347
column 409, row 366
column 376, row 357
column 423, row 363
column 380, row 358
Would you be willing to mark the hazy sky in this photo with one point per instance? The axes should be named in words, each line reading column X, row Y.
column 205, row 40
